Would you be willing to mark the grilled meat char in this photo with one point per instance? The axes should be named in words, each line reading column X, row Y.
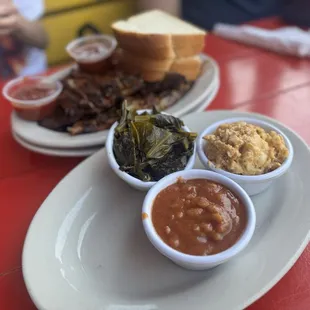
column 91, row 103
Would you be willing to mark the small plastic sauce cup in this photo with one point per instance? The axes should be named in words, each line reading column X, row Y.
column 92, row 52
column 31, row 97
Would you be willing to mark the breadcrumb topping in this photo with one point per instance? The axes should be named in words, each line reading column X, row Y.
column 245, row 149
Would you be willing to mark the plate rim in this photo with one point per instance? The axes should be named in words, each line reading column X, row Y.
column 205, row 103
column 98, row 138
column 288, row 265
column 53, row 152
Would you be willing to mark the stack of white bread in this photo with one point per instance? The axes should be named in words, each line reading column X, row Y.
column 155, row 43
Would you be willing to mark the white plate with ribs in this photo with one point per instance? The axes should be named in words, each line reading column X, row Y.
column 205, row 87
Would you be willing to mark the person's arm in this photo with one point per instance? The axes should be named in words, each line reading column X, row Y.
column 170, row 6
column 31, row 32
column 13, row 23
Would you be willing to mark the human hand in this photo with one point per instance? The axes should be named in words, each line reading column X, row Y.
column 8, row 17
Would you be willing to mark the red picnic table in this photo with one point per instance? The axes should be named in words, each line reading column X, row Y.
column 252, row 80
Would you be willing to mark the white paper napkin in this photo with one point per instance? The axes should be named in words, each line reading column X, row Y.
column 286, row 40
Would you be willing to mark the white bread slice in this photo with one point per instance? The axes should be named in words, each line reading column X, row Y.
column 156, row 34
column 153, row 70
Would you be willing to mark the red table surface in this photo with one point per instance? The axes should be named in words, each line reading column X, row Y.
column 251, row 80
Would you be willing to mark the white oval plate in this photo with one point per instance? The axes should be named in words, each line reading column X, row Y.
column 35, row 134
column 54, row 151
column 86, row 248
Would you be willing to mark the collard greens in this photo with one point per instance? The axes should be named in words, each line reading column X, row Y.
column 151, row 146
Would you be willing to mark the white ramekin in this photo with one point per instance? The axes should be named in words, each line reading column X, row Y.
column 36, row 102
column 191, row 261
column 108, row 40
column 252, row 184
column 132, row 181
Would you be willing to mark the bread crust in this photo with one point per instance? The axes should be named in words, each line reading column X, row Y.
column 145, row 63
column 190, row 67
column 188, row 45
column 153, row 70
